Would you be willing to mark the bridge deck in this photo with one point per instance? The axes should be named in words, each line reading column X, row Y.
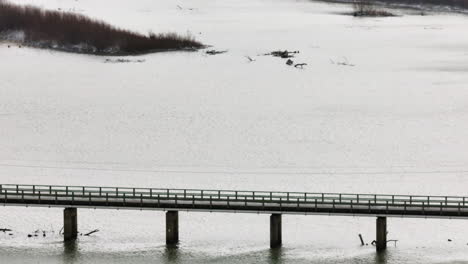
column 235, row 201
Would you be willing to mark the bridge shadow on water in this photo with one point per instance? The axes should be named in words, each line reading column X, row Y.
column 172, row 254
column 70, row 251
column 275, row 256
column 381, row 257
column 278, row 256
column 177, row 255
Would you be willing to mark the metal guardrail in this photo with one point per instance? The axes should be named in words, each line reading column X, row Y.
column 259, row 201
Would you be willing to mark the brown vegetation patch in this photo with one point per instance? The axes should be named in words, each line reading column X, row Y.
column 367, row 8
column 77, row 33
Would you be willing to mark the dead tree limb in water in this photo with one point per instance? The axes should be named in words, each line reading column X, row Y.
column 249, row 58
column 362, row 240
column 343, row 62
column 282, row 54
column 215, row 52
column 92, row 232
column 300, row 65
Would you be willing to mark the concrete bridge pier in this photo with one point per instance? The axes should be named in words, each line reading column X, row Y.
column 275, row 231
column 172, row 227
column 381, row 239
column 70, row 224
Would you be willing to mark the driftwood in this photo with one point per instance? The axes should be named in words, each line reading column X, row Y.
column 391, row 240
column 181, row 8
column 5, row 230
column 362, row 240
column 249, row 58
column 300, row 65
column 344, row 62
column 92, row 232
column 285, row 54
column 215, row 52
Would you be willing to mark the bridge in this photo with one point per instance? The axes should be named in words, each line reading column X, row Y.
column 276, row 204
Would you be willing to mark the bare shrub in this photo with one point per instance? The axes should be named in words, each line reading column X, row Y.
column 56, row 29
column 362, row 8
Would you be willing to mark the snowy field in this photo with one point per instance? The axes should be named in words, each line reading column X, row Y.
column 394, row 119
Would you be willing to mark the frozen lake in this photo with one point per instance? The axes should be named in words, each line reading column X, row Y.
column 394, row 120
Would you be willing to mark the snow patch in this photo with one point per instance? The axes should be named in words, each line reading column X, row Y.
column 13, row 35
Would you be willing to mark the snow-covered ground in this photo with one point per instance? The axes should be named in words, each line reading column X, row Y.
column 394, row 122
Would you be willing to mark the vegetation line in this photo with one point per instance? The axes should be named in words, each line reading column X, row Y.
column 367, row 8
column 36, row 27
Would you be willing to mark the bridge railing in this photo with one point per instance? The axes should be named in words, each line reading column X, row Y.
column 56, row 192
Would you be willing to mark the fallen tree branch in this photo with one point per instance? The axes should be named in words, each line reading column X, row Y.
column 215, row 52
column 282, row 54
column 344, row 62
column 181, row 8
column 300, row 65
column 92, row 232
column 362, row 240
column 249, row 58
column 392, row 240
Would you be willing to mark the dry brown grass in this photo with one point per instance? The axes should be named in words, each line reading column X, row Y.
column 370, row 8
column 62, row 29
column 463, row 4
column 367, row 8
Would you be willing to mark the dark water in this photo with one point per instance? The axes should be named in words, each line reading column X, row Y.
column 174, row 255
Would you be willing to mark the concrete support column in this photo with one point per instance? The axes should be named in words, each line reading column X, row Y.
column 381, row 239
column 70, row 224
column 172, row 227
column 275, row 231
